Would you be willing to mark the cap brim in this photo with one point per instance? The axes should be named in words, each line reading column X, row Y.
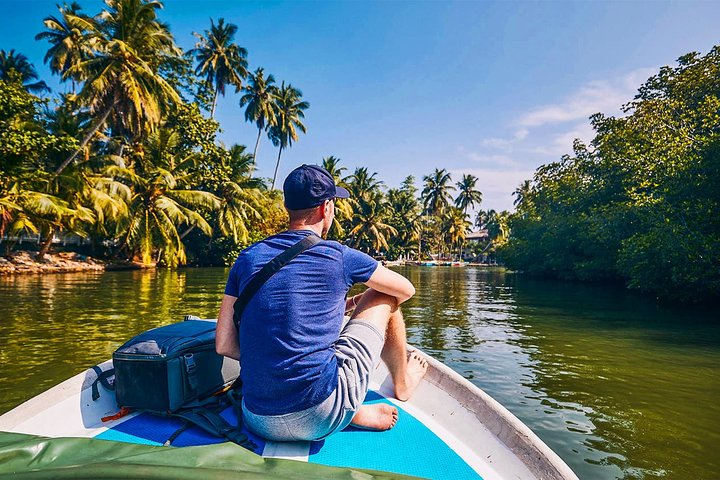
column 340, row 192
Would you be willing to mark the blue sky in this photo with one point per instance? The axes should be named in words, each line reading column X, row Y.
column 490, row 88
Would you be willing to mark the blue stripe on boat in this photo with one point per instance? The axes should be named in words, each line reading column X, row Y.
column 409, row 448
column 118, row 436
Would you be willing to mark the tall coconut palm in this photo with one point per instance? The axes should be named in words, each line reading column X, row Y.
column 220, row 60
column 13, row 61
column 436, row 194
column 370, row 229
column 455, row 227
column 332, row 165
column 160, row 204
column 362, row 184
column 259, row 104
column 239, row 195
column 121, row 76
column 468, row 196
column 521, row 193
column 85, row 184
column 289, row 110
column 69, row 38
column 343, row 208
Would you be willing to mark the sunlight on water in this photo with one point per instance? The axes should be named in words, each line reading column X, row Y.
column 617, row 386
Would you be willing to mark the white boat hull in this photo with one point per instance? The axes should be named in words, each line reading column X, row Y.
column 446, row 409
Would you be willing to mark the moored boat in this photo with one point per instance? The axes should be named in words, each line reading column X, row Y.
column 450, row 429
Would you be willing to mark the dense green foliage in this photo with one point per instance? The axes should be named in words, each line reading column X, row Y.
column 641, row 203
column 128, row 158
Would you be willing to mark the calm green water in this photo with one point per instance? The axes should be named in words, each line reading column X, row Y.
column 619, row 387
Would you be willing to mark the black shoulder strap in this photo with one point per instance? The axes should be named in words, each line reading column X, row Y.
column 268, row 271
column 206, row 416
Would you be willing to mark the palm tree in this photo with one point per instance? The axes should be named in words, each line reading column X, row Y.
column 343, row 208
column 436, row 194
column 497, row 227
column 69, row 38
column 362, row 184
column 17, row 62
column 159, row 204
column 220, row 60
column 121, row 76
column 370, row 229
column 404, row 216
column 332, row 165
column 23, row 209
column 455, row 226
column 259, row 95
column 239, row 195
column 288, row 114
column 468, row 196
column 521, row 193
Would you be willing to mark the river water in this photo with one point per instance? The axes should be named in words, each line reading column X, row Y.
column 618, row 386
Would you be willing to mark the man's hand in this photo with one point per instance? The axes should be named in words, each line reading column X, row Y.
column 226, row 335
column 391, row 283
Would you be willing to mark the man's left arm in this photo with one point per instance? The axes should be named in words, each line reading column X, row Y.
column 226, row 335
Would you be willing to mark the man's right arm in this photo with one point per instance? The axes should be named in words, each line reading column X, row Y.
column 226, row 335
column 391, row 283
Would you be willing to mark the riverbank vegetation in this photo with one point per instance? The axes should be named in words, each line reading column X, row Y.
column 127, row 158
column 641, row 203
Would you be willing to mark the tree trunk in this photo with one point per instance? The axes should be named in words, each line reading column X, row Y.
column 85, row 140
column 212, row 111
column 257, row 144
column 276, row 168
column 46, row 244
column 9, row 247
column 186, row 232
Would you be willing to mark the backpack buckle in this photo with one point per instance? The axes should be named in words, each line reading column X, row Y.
column 190, row 365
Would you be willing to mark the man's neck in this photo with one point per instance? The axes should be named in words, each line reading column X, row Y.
column 317, row 228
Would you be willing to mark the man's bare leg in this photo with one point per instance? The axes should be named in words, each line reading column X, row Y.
column 406, row 369
column 381, row 311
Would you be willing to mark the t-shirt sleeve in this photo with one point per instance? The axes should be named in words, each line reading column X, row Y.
column 358, row 266
column 232, row 285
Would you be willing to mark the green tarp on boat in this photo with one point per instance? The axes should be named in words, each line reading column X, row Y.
column 28, row 456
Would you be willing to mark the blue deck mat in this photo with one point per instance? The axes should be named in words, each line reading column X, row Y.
column 155, row 430
column 409, row 448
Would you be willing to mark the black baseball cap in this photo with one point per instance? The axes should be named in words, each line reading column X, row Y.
column 310, row 185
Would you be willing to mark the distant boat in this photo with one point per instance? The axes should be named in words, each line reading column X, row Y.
column 450, row 429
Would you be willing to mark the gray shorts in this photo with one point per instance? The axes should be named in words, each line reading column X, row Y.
column 358, row 352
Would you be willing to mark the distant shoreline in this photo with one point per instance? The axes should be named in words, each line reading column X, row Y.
column 23, row 262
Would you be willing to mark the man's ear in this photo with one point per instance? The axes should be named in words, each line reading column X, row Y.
column 326, row 208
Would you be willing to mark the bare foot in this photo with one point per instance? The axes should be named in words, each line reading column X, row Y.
column 378, row 416
column 416, row 368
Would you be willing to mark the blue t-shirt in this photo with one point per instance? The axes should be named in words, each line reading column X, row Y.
column 289, row 328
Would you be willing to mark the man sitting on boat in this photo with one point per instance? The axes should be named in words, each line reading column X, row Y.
column 304, row 373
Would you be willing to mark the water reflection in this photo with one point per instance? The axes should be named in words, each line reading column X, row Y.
column 619, row 387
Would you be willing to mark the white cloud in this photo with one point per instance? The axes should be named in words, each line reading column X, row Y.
column 562, row 142
column 503, row 143
column 489, row 161
column 605, row 96
column 542, row 135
